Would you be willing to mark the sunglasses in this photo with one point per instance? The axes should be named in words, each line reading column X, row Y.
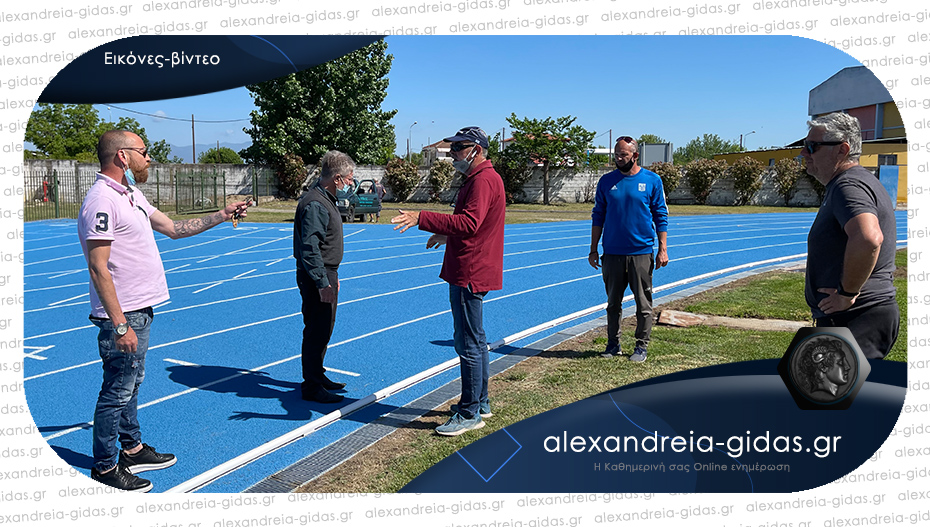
column 812, row 146
column 625, row 139
column 458, row 147
column 142, row 151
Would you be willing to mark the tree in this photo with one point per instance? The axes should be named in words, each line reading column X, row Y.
column 512, row 167
column 71, row 131
column 704, row 148
column 63, row 131
column 220, row 155
column 551, row 142
column 336, row 105
column 651, row 139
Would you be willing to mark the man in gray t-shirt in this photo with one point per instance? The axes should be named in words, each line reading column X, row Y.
column 851, row 245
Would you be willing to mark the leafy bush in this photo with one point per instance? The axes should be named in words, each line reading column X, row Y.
column 787, row 173
column 440, row 177
column 701, row 174
column 671, row 176
column 747, row 178
column 290, row 173
column 401, row 177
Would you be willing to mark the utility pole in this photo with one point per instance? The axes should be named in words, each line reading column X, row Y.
column 193, row 142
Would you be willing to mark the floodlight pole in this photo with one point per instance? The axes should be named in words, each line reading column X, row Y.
column 741, row 138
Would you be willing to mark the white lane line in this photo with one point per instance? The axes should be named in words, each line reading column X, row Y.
column 243, row 249
column 278, row 260
column 59, row 306
column 349, row 373
column 54, row 287
column 54, row 259
column 224, row 281
column 208, row 242
column 33, row 240
column 49, row 247
column 68, row 299
column 180, row 362
column 76, row 366
column 176, row 268
column 66, row 273
column 353, row 233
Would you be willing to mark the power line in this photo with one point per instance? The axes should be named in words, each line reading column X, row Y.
column 174, row 118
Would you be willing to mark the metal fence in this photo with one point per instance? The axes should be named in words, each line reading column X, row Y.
column 199, row 192
column 55, row 189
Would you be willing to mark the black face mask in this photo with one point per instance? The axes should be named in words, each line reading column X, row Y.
column 627, row 167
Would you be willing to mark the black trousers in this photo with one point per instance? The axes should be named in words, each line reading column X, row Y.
column 875, row 328
column 319, row 319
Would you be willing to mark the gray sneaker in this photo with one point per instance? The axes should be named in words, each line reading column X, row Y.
column 457, row 425
column 639, row 354
column 612, row 350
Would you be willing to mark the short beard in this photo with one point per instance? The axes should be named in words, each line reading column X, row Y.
column 141, row 175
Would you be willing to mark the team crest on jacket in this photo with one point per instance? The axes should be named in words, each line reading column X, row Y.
column 642, row 187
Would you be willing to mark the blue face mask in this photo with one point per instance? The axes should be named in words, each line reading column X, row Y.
column 130, row 178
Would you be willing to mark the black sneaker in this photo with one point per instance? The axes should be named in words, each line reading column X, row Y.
column 332, row 385
column 122, row 479
column 320, row 395
column 612, row 350
column 146, row 459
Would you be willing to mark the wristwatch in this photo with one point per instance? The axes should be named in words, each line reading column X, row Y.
column 122, row 329
column 840, row 291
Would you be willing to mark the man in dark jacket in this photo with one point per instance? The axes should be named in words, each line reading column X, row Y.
column 318, row 250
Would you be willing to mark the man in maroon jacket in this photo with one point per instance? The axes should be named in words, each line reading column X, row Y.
column 473, row 265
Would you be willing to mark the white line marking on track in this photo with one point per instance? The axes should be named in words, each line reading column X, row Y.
column 349, row 373
column 181, row 362
column 243, row 249
column 68, row 299
column 66, row 273
column 38, row 349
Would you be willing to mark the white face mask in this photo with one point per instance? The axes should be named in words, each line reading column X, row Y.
column 462, row 165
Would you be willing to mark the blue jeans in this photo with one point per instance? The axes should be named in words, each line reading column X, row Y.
column 471, row 346
column 115, row 415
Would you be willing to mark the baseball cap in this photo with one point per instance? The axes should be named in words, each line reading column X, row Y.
column 470, row 133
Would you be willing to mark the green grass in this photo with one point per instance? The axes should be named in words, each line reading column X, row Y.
column 774, row 295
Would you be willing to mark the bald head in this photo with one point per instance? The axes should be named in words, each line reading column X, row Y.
column 110, row 143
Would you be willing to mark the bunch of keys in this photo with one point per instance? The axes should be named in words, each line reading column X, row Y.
column 236, row 216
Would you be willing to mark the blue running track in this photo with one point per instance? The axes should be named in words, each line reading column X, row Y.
column 223, row 369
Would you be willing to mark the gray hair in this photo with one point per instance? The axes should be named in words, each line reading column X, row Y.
column 335, row 163
column 839, row 126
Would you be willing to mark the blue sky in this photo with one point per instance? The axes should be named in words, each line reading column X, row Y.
column 674, row 87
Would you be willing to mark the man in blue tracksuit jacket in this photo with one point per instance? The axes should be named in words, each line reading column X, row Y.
column 630, row 212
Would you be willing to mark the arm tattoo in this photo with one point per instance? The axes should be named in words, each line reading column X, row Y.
column 187, row 228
